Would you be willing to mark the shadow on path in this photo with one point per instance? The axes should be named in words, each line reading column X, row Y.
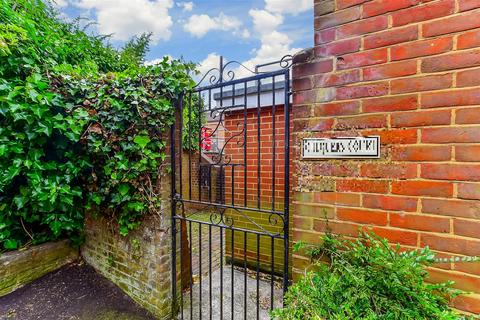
column 75, row 292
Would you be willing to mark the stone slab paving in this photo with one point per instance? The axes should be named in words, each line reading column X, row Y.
column 238, row 297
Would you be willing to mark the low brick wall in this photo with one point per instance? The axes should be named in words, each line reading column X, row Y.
column 19, row 268
column 139, row 264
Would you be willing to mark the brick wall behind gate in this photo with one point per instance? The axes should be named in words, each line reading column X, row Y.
column 235, row 182
column 408, row 71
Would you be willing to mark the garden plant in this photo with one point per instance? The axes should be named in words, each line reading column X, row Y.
column 367, row 278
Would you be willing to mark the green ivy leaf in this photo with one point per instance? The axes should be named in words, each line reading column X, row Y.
column 123, row 189
column 142, row 141
column 10, row 244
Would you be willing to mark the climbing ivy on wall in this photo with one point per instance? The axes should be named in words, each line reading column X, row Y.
column 82, row 126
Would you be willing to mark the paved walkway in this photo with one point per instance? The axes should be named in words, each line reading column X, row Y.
column 239, row 297
column 71, row 293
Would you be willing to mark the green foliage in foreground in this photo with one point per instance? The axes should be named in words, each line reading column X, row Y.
column 82, row 126
column 367, row 279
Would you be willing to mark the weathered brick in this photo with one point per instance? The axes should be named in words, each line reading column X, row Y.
column 324, row 36
column 362, row 27
column 424, row 83
column 451, row 244
column 391, row 70
column 362, row 91
column 393, row 203
column 429, row 11
column 347, row 199
column 363, row 216
column 466, row 228
column 377, row 7
column 464, row 97
column 338, row 48
column 421, row 48
column 461, row 172
column 468, row 153
column 390, row 37
column 367, row 186
column 469, row 191
column 333, row 169
column 422, row 153
column 457, row 60
column 337, row 79
column 422, row 188
column 342, row 4
column 453, row 208
column 408, row 238
column 421, row 118
column 468, row 78
column 452, row 24
column 314, row 211
column 394, row 136
column 386, row 104
column 361, row 122
column 467, row 302
column 361, row 59
column 465, row 5
column 420, row 222
column 389, row 171
column 337, row 227
column 451, row 135
column 324, row 7
column 469, row 40
column 337, row 109
column 312, row 68
column 302, row 84
column 461, row 281
column 337, row 18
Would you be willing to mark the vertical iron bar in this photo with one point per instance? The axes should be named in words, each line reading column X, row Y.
column 258, row 276
column 245, row 122
column 233, row 274
column 174, row 213
column 259, row 143
column 200, row 151
column 245, row 275
column 233, row 185
column 286, row 227
column 182, row 262
column 200, row 247
column 210, row 267
column 221, row 273
column 191, row 268
column 274, row 180
column 180, row 148
column 272, row 272
column 190, row 147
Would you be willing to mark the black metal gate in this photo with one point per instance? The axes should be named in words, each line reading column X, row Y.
column 230, row 150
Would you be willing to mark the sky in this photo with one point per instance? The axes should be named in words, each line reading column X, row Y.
column 249, row 31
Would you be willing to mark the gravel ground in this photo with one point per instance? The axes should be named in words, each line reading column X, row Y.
column 75, row 292
column 264, row 297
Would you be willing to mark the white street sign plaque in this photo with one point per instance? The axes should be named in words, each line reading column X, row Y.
column 341, row 148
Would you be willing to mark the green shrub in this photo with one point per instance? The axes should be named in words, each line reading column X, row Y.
column 82, row 125
column 367, row 279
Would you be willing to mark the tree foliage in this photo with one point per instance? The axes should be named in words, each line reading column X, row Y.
column 82, row 125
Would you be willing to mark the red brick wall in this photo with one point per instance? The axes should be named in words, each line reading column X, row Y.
column 408, row 71
column 268, row 200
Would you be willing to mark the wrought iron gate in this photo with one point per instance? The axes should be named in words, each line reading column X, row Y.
column 230, row 194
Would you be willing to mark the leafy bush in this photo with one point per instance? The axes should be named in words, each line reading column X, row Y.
column 367, row 279
column 81, row 125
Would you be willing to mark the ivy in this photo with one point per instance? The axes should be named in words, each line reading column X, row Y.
column 82, row 126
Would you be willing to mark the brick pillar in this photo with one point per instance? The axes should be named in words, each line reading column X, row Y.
column 408, row 71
